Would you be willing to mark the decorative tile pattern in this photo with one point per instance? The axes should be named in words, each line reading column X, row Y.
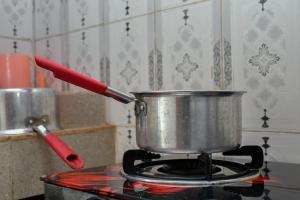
column 265, row 63
column 128, row 59
column 130, row 43
column 128, row 73
column 265, row 119
column 16, row 18
column 262, row 2
column 227, row 64
column 48, row 15
column 159, row 70
column 85, row 13
column 264, row 60
column 52, row 49
column 123, row 9
column 186, row 67
column 278, row 147
column 187, row 50
column 16, row 46
column 217, row 65
column 155, row 70
column 84, row 55
column 266, row 146
column 125, row 140
column 152, row 68
column 222, row 62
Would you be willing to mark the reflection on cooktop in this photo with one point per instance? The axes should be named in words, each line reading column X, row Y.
column 277, row 181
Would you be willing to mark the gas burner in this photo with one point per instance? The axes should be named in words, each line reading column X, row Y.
column 186, row 167
column 200, row 171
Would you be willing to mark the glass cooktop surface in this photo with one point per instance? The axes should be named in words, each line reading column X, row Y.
column 277, row 181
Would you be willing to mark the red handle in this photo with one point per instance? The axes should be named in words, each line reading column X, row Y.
column 63, row 73
column 67, row 154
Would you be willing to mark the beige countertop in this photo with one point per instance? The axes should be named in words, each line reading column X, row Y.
column 73, row 131
column 25, row 158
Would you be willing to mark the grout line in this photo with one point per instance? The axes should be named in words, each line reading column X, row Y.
column 282, row 131
column 64, row 12
column 11, row 171
column 18, row 39
column 124, row 126
column 155, row 84
column 65, row 42
column 222, row 46
column 34, row 40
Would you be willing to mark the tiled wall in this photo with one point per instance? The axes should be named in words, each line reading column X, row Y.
column 16, row 27
column 265, row 48
column 259, row 53
column 265, row 59
column 136, row 45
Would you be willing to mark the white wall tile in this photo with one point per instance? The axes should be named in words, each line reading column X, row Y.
column 130, row 43
column 283, row 147
column 119, row 113
column 165, row 4
column 187, row 50
column 266, row 61
column 48, row 18
column 125, row 140
column 16, row 18
column 84, row 13
column 16, row 46
column 52, row 49
column 84, row 53
column 122, row 9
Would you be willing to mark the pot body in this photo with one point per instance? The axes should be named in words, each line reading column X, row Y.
column 17, row 106
column 188, row 121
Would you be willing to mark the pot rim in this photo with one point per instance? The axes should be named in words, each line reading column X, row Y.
column 14, row 90
column 189, row 93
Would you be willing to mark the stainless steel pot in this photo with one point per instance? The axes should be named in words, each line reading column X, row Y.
column 188, row 121
column 173, row 121
column 17, row 105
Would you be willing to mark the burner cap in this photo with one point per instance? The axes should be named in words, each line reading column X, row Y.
column 187, row 167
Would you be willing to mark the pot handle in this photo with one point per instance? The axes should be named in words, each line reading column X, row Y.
column 82, row 80
column 65, row 152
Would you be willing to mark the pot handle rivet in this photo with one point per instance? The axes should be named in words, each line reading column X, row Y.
column 140, row 108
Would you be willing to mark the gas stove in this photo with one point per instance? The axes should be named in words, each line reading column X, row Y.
column 143, row 175
column 202, row 170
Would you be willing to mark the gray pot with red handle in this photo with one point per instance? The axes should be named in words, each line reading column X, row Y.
column 172, row 121
column 39, row 125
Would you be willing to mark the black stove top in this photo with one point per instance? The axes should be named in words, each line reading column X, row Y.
column 275, row 181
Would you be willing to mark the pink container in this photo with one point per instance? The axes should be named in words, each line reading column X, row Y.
column 16, row 72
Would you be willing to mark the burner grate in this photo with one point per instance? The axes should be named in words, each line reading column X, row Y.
column 194, row 171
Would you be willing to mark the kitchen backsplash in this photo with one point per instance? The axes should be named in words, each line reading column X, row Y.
column 16, row 32
column 136, row 45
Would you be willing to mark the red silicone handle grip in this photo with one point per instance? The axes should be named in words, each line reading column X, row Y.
column 63, row 73
column 67, row 154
